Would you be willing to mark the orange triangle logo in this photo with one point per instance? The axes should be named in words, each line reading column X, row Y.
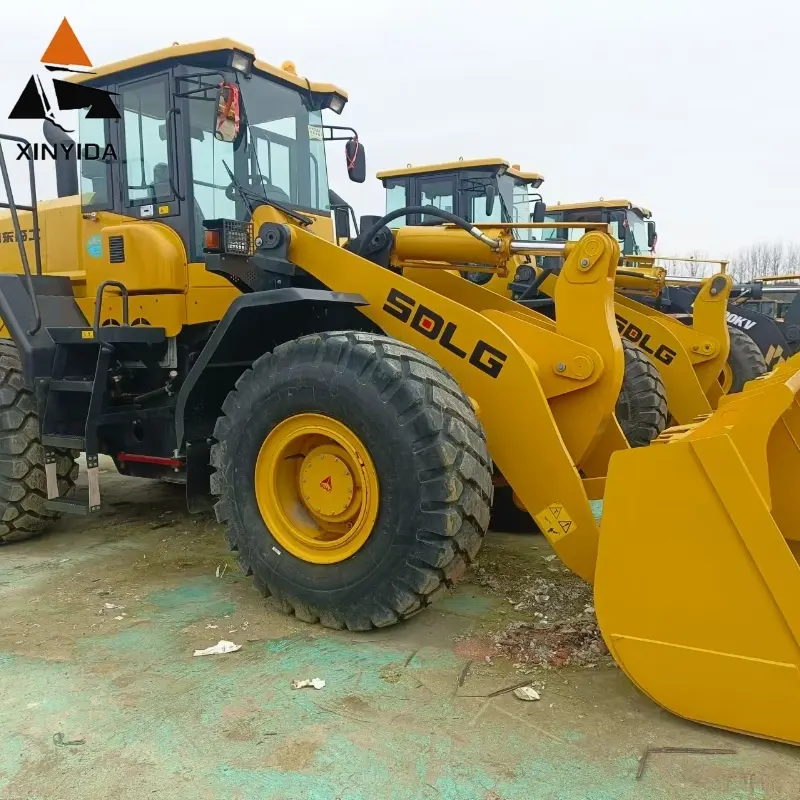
column 326, row 484
column 65, row 49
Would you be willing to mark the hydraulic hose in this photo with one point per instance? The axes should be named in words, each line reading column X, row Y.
column 493, row 244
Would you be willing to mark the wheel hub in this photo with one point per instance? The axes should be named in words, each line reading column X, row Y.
column 326, row 483
column 316, row 488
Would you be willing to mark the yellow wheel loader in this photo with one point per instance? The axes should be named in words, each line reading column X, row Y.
column 345, row 413
column 699, row 357
column 490, row 191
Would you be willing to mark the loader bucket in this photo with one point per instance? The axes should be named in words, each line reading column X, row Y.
column 697, row 586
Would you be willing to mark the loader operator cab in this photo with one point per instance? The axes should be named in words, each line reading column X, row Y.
column 205, row 132
column 478, row 191
column 630, row 224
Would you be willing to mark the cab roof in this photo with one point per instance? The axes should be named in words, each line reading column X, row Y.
column 610, row 204
column 285, row 73
column 498, row 164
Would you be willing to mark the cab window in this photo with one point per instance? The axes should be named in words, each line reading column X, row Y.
column 287, row 147
column 396, row 198
column 210, row 179
column 274, row 144
column 147, row 159
column 437, row 192
column 95, row 174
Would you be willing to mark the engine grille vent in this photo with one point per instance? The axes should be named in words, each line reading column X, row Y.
column 116, row 249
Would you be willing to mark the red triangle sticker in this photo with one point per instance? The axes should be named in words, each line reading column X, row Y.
column 65, row 49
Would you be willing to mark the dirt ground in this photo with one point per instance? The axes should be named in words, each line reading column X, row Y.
column 100, row 695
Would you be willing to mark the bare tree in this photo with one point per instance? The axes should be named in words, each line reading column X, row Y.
column 765, row 258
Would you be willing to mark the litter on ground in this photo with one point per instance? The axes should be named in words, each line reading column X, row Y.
column 313, row 683
column 527, row 693
column 220, row 648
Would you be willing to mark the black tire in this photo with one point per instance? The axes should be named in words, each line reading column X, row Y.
column 429, row 452
column 642, row 405
column 507, row 517
column 23, row 488
column 745, row 360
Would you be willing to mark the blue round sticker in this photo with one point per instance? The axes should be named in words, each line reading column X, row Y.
column 94, row 246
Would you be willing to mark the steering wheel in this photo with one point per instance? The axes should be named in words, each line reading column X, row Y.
column 274, row 192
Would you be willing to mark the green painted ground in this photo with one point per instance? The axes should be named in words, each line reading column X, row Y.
column 392, row 721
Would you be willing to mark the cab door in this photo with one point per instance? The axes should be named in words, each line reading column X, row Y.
column 141, row 185
column 439, row 191
column 150, row 153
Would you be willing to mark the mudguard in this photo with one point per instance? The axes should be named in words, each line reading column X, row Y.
column 254, row 324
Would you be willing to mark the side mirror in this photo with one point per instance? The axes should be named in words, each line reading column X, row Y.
column 539, row 211
column 356, row 160
column 228, row 120
column 491, row 192
column 652, row 236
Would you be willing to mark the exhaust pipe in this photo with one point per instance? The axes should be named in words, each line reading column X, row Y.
column 66, row 165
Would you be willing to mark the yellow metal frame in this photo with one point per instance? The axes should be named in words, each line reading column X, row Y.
column 690, row 359
column 495, row 353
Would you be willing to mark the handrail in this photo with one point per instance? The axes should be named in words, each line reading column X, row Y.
column 98, row 303
column 12, row 207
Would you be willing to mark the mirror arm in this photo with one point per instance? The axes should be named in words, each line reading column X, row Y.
column 194, row 78
column 332, row 138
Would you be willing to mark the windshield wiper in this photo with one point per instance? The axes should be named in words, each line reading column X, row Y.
column 247, row 195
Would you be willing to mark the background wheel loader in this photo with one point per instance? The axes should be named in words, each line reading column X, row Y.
column 344, row 418
column 489, row 190
column 766, row 310
column 642, row 278
column 698, row 355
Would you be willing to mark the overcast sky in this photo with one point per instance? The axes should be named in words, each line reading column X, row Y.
column 688, row 108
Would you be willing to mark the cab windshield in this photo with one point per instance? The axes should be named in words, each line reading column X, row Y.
column 636, row 243
column 279, row 152
column 287, row 151
column 517, row 200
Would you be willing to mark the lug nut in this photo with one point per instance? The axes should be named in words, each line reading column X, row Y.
column 561, row 367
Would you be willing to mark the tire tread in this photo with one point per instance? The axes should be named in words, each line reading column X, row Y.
column 452, row 464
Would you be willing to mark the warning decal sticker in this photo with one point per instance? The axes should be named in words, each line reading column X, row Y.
column 555, row 522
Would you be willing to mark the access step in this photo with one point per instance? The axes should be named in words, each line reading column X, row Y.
column 63, row 441
column 78, row 503
column 71, row 386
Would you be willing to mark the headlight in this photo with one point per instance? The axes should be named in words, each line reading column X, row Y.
column 336, row 104
column 241, row 63
column 228, row 236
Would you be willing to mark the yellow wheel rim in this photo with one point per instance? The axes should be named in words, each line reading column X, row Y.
column 726, row 378
column 316, row 488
